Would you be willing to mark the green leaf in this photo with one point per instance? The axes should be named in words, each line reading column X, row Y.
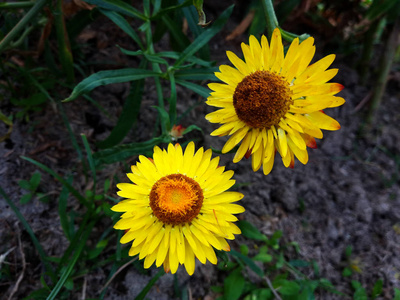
column 35, row 181
column 244, row 249
column 348, row 251
column 60, row 179
column 192, row 19
column 118, row 6
column 123, row 24
column 347, row 272
column 191, row 128
column 64, row 50
column 198, row 89
column 265, row 258
column 377, row 289
column 298, row 263
column 179, row 40
column 191, row 59
column 24, row 184
column 97, row 251
column 129, row 114
column 122, row 152
column 197, row 74
column 251, row 232
column 256, row 269
column 233, row 285
column 156, row 59
column 67, row 271
column 378, row 8
column 108, row 77
column 8, row 122
column 164, row 117
column 26, row 198
column 205, row 37
column 396, row 294
column 360, row 294
column 287, row 288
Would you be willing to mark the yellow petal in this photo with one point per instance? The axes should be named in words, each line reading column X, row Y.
column 282, row 141
column 238, row 63
column 235, row 139
column 243, row 148
column 256, row 159
column 323, row 121
column 189, row 259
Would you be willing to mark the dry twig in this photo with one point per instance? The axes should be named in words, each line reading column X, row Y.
column 21, row 276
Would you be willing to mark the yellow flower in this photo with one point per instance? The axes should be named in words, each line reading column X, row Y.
column 178, row 208
column 274, row 102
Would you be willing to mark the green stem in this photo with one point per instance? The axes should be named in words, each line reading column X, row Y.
column 367, row 51
column 22, row 24
column 64, row 47
column 156, row 67
column 384, row 69
column 11, row 5
column 270, row 17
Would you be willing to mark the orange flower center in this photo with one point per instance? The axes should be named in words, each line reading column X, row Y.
column 176, row 199
column 261, row 99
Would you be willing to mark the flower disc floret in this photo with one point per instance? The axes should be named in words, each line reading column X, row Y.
column 261, row 99
column 176, row 199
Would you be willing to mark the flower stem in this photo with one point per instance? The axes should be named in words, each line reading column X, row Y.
column 384, row 69
column 22, row 24
column 270, row 17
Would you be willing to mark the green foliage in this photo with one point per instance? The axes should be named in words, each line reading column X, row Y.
column 32, row 186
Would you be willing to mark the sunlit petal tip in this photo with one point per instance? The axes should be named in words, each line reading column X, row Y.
column 311, row 143
column 248, row 154
column 226, row 248
column 167, row 269
column 291, row 164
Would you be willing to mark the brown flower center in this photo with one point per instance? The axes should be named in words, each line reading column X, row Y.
column 261, row 99
column 176, row 199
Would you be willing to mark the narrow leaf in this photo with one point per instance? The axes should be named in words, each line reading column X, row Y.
column 205, row 37
column 108, row 77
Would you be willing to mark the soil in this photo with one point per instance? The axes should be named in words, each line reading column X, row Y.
column 347, row 195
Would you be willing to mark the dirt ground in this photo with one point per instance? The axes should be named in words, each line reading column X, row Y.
column 347, row 195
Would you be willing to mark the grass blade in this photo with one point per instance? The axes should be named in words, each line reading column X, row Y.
column 122, row 152
column 198, row 89
column 119, row 6
column 129, row 114
column 64, row 47
column 72, row 262
column 108, row 77
column 22, row 24
column 123, row 24
column 205, row 37
column 172, row 100
column 28, row 228
column 147, row 288
column 197, row 74
column 74, row 192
